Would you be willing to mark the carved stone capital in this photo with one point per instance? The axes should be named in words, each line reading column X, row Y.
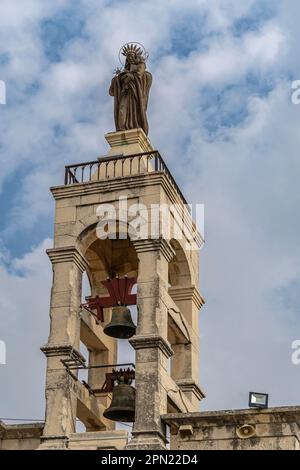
column 187, row 385
column 187, row 293
column 66, row 350
column 66, row 255
column 160, row 245
column 152, row 341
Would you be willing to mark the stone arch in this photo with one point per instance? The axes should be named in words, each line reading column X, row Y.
column 180, row 272
column 106, row 257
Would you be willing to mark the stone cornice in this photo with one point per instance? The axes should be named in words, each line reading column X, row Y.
column 53, row 438
column 151, row 341
column 190, row 386
column 148, row 432
column 187, row 293
column 288, row 414
column 21, row 431
column 67, row 254
column 161, row 245
column 107, row 185
column 54, row 350
column 125, row 183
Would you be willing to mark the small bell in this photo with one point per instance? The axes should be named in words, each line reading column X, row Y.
column 121, row 325
column 122, row 407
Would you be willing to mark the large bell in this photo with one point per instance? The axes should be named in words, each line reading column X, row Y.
column 122, row 407
column 121, row 325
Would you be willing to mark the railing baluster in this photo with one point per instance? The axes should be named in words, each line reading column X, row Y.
column 159, row 166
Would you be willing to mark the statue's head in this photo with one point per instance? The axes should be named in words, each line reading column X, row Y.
column 134, row 54
column 132, row 58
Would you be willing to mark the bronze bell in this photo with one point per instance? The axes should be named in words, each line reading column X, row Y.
column 122, row 407
column 121, row 325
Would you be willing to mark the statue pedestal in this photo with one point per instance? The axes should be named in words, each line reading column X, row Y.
column 128, row 142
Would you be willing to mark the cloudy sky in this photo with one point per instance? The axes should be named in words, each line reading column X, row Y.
column 221, row 115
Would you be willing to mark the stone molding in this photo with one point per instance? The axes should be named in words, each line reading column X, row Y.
column 21, row 431
column 187, row 293
column 54, row 438
column 142, row 432
column 129, row 137
column 54, row 350
column 186, row 385
column 161, row 245
column 126, row 182
column 287, row 414
column 152, row 341
column 68, row 254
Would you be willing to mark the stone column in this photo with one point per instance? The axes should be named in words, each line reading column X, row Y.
column 63, row 343
column 151, row 344
column 185, row 362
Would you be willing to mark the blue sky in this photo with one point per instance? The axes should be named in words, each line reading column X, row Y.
column 221, row 115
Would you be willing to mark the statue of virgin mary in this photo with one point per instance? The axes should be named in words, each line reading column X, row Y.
column 130, row 88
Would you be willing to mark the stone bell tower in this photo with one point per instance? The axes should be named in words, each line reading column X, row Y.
column 163, row 259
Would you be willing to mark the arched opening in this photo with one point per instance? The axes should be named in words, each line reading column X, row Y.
column 106, row 258
column 179, row 315
column 179, row 269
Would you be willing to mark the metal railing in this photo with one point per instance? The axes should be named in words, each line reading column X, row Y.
column 119, row 166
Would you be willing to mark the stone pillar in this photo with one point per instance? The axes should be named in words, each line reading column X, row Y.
column 185, row 362
column 151, row 344
column 63, row 343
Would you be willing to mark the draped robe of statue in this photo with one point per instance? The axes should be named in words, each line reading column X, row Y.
column 130, row 89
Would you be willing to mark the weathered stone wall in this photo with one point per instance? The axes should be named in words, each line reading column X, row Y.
column 20, row 436
column 272, row 429
column 28, row 437
column 103, row 440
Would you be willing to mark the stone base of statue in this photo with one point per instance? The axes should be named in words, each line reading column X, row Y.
column 129, row 142
column 131, row 153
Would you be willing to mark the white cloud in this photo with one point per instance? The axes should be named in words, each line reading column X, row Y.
column 250, row 186
column 265, row 46
column 24, row 326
